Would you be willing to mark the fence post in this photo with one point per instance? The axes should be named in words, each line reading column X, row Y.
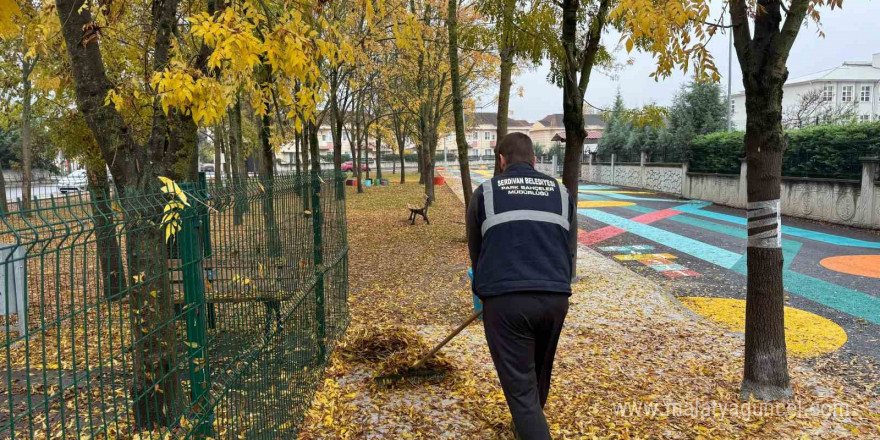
column 317, row 227
column 867, row 197
column 189, row 240
column 613, row 159
column 643, row 157
column 685, row 180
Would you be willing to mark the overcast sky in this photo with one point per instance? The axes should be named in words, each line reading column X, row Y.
column 851, row 34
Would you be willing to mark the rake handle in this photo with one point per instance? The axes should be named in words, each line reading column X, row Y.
column 455, row 333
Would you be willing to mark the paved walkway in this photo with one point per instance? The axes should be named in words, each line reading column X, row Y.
column 697, row 249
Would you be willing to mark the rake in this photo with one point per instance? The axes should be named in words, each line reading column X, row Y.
column 417, row 370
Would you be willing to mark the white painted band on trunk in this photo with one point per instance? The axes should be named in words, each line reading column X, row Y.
column 770, row 239
column 763, row 222
column 759, row 209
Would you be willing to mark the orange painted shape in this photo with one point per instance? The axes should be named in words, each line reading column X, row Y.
column 861, row 265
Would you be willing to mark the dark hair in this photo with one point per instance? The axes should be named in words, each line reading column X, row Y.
column 516, row 147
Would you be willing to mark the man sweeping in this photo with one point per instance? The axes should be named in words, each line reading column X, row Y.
column 522, row 236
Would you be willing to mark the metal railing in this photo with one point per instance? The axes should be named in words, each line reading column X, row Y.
column 114, row 327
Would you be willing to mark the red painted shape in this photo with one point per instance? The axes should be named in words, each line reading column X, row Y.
column 680, row 273
column 599, row 235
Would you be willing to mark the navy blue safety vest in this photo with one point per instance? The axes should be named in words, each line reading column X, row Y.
column 525, row 223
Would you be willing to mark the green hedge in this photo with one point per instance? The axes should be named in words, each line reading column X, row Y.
column 829, row 151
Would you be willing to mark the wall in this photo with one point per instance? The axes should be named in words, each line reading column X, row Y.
column 846, row 202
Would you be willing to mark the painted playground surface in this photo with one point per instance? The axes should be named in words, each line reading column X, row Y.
column 697, row 249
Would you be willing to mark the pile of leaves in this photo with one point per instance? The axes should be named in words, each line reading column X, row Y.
column 391, row 350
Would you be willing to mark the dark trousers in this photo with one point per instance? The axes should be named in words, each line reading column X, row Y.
column 522, row 330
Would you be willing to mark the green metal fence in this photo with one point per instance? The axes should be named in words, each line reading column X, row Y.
column 114, row 328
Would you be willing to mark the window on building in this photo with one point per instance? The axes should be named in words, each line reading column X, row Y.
column 864, row 118
column 486, row 135
column 846, row 94
column 865, row 96
column 732, row 108
column 488, row 152
column 324, row 137
column 493, row 135
column 828, row 93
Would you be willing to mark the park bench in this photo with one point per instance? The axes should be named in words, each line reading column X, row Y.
column 416, row 211
column 226, row 284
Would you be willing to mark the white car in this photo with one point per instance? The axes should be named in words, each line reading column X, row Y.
column 73, row 182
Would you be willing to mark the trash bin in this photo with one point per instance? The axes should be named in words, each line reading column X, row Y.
column 439, row 180
column 478, row 305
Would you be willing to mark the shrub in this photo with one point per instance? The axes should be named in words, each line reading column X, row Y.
column 829, row 151
column 716, row 152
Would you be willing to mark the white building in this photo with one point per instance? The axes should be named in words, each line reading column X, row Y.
column 481, row 134
column 854, row 81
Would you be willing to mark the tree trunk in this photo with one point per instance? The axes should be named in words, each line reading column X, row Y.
column 378, row 156
column 4, row 207
column 313, row 144
column 420, row 164
column 239, row 174
column 304, row 184
column 367, row 152
column 763, row 58
column 218, row 154
column 305, row 150
column 113, row 277
column 267, row 176
column 505, row 82
column 401, row 145
column 336, row 124
column 26, row 151
column 458, row 105
column 765, row 373
column 357, row 166
column 155, row 386
column 297, row 138
column 227, row 166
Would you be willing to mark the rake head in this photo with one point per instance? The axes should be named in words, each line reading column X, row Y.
column 411, row 375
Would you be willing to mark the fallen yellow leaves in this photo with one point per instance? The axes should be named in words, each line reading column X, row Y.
column 625, row 346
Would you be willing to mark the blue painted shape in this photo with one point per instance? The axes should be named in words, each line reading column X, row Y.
column 591, row 197
column 846, row 300
column 643, row 199
column 713, row 254
column 790, row 249
column 786, row 230
column 594, row 187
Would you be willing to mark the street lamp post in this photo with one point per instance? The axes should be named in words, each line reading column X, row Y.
column 729, row 81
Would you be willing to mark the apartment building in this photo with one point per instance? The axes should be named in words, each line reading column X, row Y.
column 852, row 82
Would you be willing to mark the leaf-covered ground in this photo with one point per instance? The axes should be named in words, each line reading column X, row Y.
column 632, row 362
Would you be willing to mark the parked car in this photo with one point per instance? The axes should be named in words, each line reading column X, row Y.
column 73, row 182
column 349, row 166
